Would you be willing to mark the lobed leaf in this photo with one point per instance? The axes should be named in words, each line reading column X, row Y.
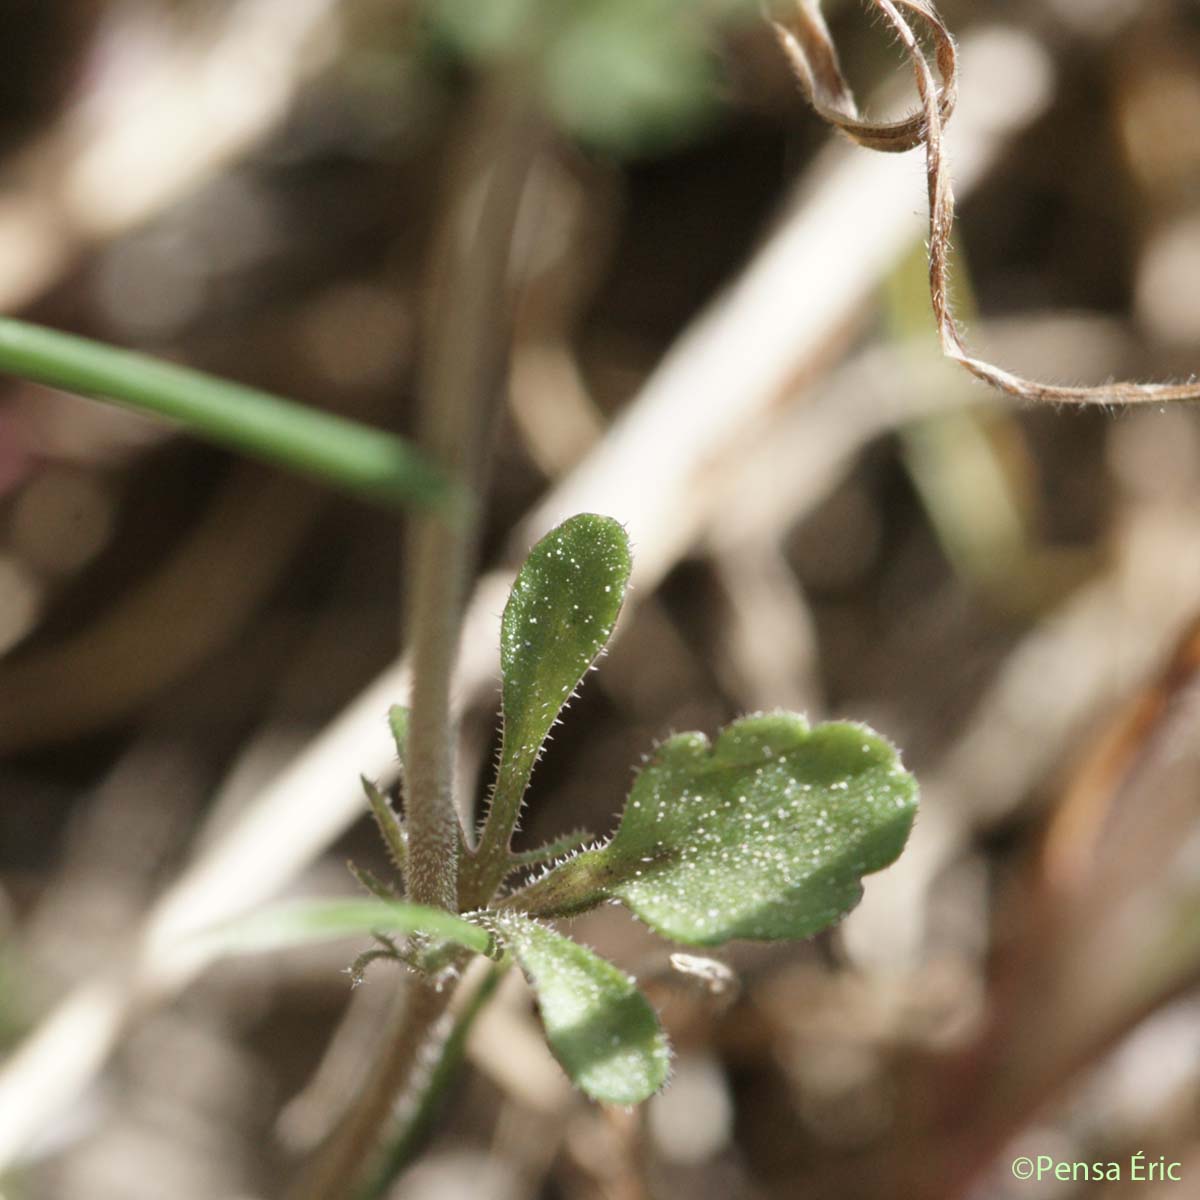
column 764, row 835
column 601, row 1028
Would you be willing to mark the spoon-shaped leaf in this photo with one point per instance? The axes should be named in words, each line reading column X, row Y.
column 765, row 834
column 601, row 1028
column 559, row 616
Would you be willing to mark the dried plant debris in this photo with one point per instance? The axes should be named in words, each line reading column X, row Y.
column 806, row 40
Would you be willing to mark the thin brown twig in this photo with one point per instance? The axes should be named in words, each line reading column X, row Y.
column 808, row 45
column 1069, row 851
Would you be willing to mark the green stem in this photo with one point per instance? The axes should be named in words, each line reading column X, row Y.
column 369, row 462
column 463, row 372
column 471, row 294
column 493, row 858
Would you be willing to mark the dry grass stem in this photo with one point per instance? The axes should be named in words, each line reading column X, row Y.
column 810, row 49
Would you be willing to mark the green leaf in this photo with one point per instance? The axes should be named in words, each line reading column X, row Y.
column 542, row 856
column 764, row 835
column 327, row 920
column 371, row 883
column 600, row 1027
column 631, row 78
column 388, row 824
column 559, row 616
column 398, row 723
column 484, row 30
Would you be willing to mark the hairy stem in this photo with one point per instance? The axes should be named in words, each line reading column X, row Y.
column 417, row 1123
column 463, row 368
column 469, row 319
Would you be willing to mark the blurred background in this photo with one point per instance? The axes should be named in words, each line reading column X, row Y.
column 723, row 339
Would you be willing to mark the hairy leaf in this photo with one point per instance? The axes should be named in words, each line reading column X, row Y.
column 388, row 823
column 371, row 883
column 600, row 1027
column 559, row 848
column 764, row 835
column 558, row 618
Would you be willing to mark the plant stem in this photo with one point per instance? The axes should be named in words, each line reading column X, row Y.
column 471, row 294
column 370, row 462
column 425, row 1109
column 349, row 1148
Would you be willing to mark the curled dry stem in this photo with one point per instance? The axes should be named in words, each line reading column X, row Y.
column 806, row 40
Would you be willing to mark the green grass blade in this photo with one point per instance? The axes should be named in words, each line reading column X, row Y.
column 369, row 462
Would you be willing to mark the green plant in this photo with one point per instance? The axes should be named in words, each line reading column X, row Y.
column 628, row 76
column 763, row 834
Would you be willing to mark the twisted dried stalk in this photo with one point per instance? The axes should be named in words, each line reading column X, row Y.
column 806, row 40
